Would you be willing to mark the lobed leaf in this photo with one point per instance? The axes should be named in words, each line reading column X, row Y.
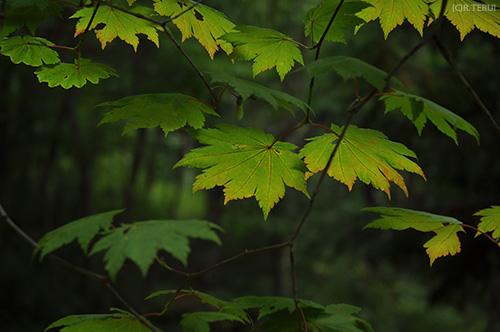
column 444, row 243
column 247, row 163
column 466, row 15
column 206, row 24
column 318, row 17
column 141, row 241
column 349, row 68
column 68, row 75
column 199, row 321
column 248, row 89
column 120, row 322
column 32, row 51
column 117, row 24
column 363, row 153
column 83, row 230
column 392, row 13
column 490, row 221
column 419, row 110
column 267, row 48
column 170, row 111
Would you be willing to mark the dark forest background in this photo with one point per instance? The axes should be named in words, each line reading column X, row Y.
column 57, row 165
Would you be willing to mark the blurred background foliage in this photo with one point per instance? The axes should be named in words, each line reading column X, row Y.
column 57, row 165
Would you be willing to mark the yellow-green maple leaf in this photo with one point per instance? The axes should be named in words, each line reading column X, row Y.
column 466, row 15
column 206, row 24
column 247, row 164
column 445, row 242
column 490, row 221
column 116, row 24
column 365, row 154
column 392, row 13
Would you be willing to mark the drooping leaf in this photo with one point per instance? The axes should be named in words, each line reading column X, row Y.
column 247, row 89
column 444, row 243
column 117, row 24
column 170, row 111
column 68, row 75
column 392, row 13
column 350, row 68
column 363, row 153
column 141, row 241
column 199, row 321
column 317, row 19
column 120, row 322
column 266, row 304
column 32, row 51
column 206, row 24
column 28, row 13
column 490, row 221
column 247, row 164
column 83, row 230
column 419, row 110
column 466, row 15
column 222, row 306
column 267, row 48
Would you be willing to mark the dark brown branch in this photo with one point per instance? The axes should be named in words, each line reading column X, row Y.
column 464, row 81
column 183, row 12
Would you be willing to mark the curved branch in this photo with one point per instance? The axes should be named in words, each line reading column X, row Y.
column 77, row 269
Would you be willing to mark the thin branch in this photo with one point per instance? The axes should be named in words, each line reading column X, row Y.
column 480, row 231
column 87, row 28
column 464, row 81
column 294, row 287
column 75, row 268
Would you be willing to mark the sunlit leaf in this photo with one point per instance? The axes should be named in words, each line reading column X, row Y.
column 490, row 221
column 466, row 15
column 206, row 24
column 249, row 89
column 247, row 164
column 392, row 13
column 267, row 48
column 317, row 19
column 365, row 154
column 419, row 110
column 68, row 75
column 32, row 51
column 444, row 242
column 170, row 111
column 117, row 24
column 141, row 241
column 83, row 230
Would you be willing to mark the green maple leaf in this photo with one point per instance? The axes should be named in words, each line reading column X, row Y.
column 32, row 51
column 141, row 241
column 170, row 111
column 248, row 89
column 199, row 321
column 68, row 75
column 392, row 13
column 490, row 221
column 317, row 19
column 365, row 154
column 206, row 24
column 28, row 13
column 350, row 68
column 117, row 24
column 444, row 243
column 83, row 230
column 120, row 322
column 466, row 15
column 267, row 48
column 245, row 162
column 419, row 110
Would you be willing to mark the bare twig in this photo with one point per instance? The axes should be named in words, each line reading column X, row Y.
column 464, row 81
column 183, row 12
column 77, row 269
